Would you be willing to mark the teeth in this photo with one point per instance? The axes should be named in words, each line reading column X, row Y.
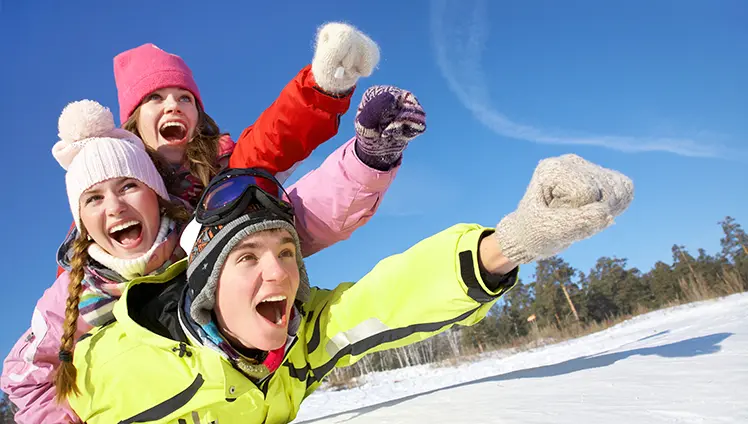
column 274, row 298
column 173, row 124
column 123, row 226
column 278, row 316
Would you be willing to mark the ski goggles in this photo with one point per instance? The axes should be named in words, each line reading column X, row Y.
column 236, row 191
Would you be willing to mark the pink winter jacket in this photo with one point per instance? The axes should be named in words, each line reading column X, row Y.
column 330, row 201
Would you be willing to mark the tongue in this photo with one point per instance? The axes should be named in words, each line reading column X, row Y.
column 129, row 236
column 172, row 134
column 271, row 311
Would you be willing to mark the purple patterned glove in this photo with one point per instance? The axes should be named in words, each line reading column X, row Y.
column 387, row 119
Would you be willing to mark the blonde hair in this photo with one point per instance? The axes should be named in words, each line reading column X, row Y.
column 65, row 379
column 202, row 150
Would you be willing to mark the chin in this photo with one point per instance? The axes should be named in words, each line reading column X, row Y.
column 268, row 343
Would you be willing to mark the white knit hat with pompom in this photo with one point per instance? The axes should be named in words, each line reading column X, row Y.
column 93, row 150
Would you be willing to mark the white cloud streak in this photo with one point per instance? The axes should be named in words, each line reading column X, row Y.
column 458, row 54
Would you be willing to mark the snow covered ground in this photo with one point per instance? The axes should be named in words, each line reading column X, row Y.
column 687, row 364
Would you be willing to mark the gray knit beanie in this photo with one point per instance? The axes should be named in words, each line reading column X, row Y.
column 215, row 243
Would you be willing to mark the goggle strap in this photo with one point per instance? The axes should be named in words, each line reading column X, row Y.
column 268, row 203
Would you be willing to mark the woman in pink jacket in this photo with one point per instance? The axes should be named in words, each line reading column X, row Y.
column 160, row 102
column 332, row 201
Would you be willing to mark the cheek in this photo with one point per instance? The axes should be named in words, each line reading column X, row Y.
column 235, row 287
column 92, row 221
column 293, row 273
column 146, row 202
column 232, row 300
column 86, row 216
column 146, row 124
column 192, row 116
column 154, row 208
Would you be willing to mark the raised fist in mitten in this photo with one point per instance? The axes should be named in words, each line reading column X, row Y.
column 569, row 199
column 342, row 55
column 388, row 118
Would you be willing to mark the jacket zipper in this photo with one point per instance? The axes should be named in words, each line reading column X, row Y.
column 168, row 406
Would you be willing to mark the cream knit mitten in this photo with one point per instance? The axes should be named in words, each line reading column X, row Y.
column 342, row 55
column 569, row 199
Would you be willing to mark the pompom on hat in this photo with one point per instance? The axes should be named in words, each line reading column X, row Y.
column 92, row 150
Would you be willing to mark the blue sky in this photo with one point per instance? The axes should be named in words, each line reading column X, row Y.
column 655, row 89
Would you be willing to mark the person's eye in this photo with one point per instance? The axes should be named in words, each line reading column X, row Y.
column 247, row 257
column 129, row 186
column 92, row 198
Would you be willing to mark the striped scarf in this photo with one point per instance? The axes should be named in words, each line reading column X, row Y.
column 102, row 285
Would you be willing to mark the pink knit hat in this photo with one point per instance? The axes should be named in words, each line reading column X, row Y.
column 140, row 71
column 91, row 149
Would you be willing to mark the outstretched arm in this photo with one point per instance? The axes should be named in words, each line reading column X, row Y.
column 455, row 276
column 307, row 111
column 341, row 195
column 296, row 123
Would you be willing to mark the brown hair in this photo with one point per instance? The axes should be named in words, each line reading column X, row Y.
column 201, row 152
column 65, row 379
column 175, row 211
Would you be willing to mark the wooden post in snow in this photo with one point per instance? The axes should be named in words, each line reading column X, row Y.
column 568, row 298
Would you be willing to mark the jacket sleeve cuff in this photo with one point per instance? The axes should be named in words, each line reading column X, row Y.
column 361, row 173
column 331, row 103
column 482, row 286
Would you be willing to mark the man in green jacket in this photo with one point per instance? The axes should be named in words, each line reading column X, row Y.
column 235, row 334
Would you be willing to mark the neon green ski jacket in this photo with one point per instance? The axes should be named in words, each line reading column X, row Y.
column 143, row 368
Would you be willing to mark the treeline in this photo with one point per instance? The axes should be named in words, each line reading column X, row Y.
column 7, row 410
column 565, row 302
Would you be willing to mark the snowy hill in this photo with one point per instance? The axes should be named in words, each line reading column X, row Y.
column 687, row 364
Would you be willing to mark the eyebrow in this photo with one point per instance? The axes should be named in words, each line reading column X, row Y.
column 182, row 91
column 286, row 240
column 120, row 184
column 248, row 245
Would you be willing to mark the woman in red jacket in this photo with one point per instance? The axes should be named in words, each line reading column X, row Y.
column 160, row 102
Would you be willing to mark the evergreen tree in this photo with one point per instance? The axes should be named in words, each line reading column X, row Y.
column 551, row 305
column 7, row 410
column 734, row 242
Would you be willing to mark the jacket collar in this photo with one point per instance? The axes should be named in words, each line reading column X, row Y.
column 148, row 312
column 148, row 298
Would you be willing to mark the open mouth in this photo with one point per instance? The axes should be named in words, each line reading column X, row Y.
column 273, row 309
column 127, row 234
column 173, row 132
